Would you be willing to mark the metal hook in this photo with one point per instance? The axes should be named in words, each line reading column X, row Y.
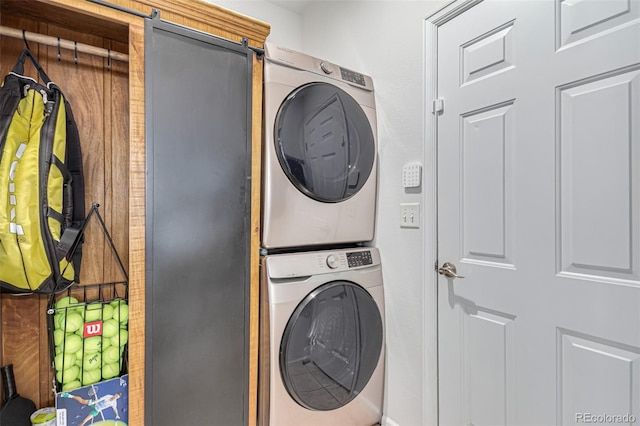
column 109, row 60
column 24, row 38
column 58, row 49
column 75, row 52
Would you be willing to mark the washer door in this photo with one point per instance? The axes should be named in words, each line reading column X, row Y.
column 324, row 142
column 331, row 346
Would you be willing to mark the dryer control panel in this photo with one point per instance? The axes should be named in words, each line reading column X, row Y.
column 352, row 76
column 302, row 61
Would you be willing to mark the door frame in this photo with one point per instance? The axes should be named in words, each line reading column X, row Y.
column 430, row 231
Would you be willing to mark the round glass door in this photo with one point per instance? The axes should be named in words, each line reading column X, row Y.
column 331, row 346
column 324, row 142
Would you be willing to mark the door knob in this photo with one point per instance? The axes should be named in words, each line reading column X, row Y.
column 449, row 270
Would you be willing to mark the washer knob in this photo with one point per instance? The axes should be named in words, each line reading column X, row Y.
column 332, row 261
column 325, row 68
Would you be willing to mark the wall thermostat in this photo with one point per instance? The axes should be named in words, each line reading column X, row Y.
column 411, row 174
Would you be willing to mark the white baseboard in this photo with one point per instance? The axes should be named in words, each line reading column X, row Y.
column 386, row 421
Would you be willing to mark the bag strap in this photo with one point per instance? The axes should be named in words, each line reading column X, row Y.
column 10, row 95
column 19, row 66
column 73, row 201
column 74, row 166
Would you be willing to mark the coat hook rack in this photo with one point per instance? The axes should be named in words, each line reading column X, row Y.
column 61, row 43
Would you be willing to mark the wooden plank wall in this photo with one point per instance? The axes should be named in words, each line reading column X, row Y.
column 99, row 99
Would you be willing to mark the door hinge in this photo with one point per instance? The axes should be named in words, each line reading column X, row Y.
column 438, row 106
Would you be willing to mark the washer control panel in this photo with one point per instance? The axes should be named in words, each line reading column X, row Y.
column 321, row 262
column 359, row 258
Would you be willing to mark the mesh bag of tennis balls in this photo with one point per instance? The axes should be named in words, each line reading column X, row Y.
column 88, row 340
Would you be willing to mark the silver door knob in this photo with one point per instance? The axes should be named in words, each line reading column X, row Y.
column 449, row 270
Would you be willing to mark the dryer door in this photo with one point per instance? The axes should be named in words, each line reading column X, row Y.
column 331, row 346
column 324, row 142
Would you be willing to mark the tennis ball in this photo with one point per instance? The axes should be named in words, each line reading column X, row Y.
column 58, row 319
column 93, row 344
column 79, row 311
column 72, row 343
column 63, row 361
column 106, row 342
column 58, row 337
column 121, row 312
column 120, row 338
column 107, row 312
column 69, row 386
column 68, row 375
column 110, row 328
column 90, row 376
column 110, row 355
column 66, row 301
column 116, row 302
column 93, row 312
column 92, row 361
column 73, row 322
column 110, row 370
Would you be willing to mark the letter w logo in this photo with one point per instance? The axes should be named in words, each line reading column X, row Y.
column 92, row 329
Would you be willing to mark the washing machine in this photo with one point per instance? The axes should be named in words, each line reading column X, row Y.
column 320, row 154
column 322, row 359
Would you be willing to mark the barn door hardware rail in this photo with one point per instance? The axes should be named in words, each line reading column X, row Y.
column 125, row 9
column 155, row 14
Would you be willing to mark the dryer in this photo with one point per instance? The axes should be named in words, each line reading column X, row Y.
column 323, row 338
column 320, row 154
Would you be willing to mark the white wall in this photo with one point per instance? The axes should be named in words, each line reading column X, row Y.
column 286, row 26
column 385, row 39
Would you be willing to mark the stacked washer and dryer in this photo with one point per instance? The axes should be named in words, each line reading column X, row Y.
column 322, row 309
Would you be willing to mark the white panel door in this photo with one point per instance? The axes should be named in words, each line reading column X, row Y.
column 539, row 209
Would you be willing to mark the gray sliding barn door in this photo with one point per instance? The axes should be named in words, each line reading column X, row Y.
column 198, row 112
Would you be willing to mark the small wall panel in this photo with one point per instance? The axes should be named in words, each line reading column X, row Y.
column 598, row 144
column 597, row 377
column 489, row 368
column 487, row 55
column 487, row 143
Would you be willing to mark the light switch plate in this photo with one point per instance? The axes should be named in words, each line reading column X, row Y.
column 410, row 215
